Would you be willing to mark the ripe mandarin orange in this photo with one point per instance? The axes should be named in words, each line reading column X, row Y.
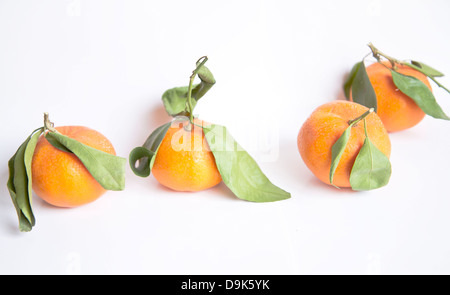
column 60, row 178
column 396, row 110
column 184, row 161
column 325, row 126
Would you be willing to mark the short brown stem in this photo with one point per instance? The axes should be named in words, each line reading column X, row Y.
column 377, row 54
column 49, row 125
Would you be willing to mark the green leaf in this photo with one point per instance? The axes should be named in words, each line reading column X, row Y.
column 24, row 223
column 176, row 99
column 239, row 170
column 146, row 154
column 372, row 169
column 107, row 169
column 427, row 70
column 28, row 157
column 205, row 74
column 362, row 90
column 207, row 83
column 56, row 144
column 351, row 77
column 420, row 93
column 338, row 150
column 20, row 181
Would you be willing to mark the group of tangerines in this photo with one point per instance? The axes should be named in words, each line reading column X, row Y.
column 344, row 143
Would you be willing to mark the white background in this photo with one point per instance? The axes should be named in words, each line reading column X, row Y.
column 104, row 64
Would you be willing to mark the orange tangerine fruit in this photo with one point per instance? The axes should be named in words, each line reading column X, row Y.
column 325, row 126
column 184, row 161
column 59, row 177
column 396, row 110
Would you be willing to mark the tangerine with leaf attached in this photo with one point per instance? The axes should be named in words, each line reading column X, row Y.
column 396, row 110
column 323, row 129
column 184, row 161
column 59, row 177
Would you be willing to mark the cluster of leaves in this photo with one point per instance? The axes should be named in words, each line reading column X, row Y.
column 362, row 92
column 238, row 169
column 108, row 170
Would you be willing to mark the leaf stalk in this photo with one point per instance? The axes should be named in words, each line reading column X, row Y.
column 362, row 117
column 201, row 62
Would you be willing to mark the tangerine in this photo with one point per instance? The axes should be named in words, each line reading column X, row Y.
column 59, row 177
column 184, row 161
column 325, row 126
column 396, row 110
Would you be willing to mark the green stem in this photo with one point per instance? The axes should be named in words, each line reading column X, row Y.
column 202, row 62
column 363, row 116
column 191, row 109
column 439, row 84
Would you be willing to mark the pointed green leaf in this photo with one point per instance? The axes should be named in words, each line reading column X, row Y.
column 56, row 144
column 28, row 157
column 362, row 90
column 239, row 170
column 338, row 150
column 351, row 77
column 427, row 70
column 20, row 181
column 420, row 93
column 24, row 223
column 107, row 169
column 372, row 169
column 146, row 154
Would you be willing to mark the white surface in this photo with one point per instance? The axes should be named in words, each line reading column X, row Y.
column 104, row 64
